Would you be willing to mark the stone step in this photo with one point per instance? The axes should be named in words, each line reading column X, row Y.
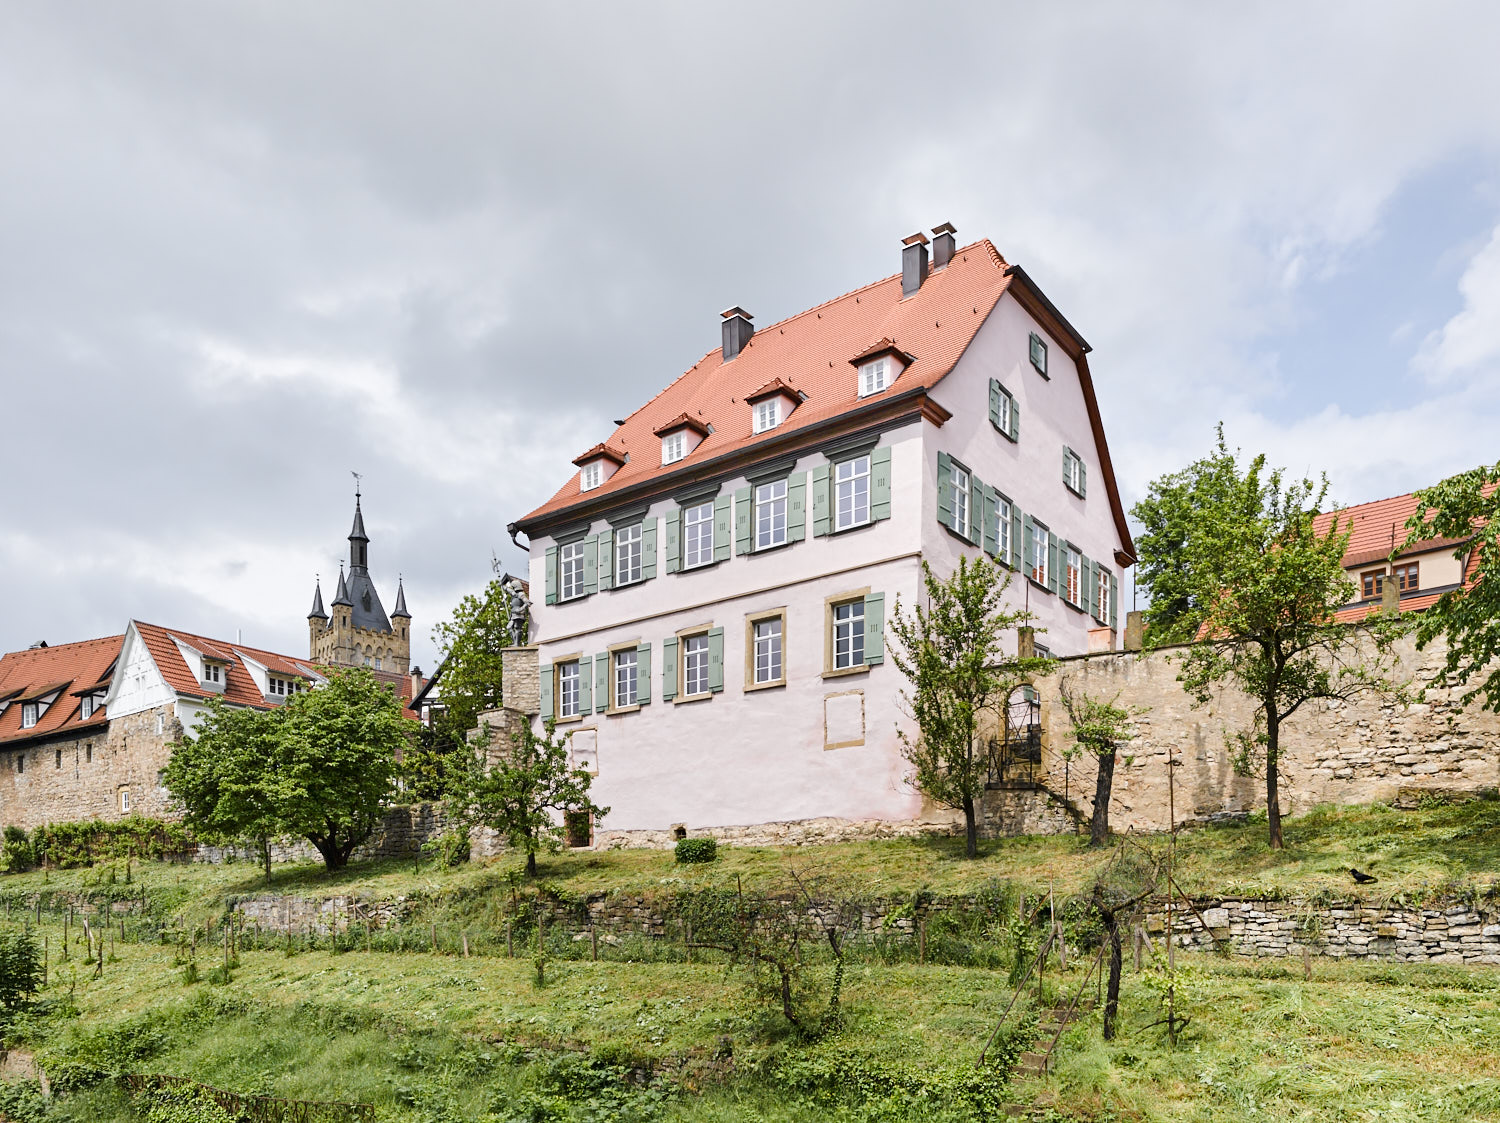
column 1032, row 1063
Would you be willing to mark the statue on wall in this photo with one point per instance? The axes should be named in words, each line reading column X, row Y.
column 519, row 610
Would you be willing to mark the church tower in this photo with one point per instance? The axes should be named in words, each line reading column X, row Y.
column 358, row 633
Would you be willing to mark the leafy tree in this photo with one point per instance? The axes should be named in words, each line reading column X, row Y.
column 1172, row 507
column 336, row 763
column 471, row 642
column 225, row 777
column 950, row 653
column 1264, row 586
column 1467, row 507
column 521, row 790
column 20, row 969
column 1098, row 729
column 320, row 767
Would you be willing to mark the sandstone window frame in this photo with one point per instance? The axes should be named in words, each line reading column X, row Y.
column 124, row 801
column 831, row 607
column 753, row 621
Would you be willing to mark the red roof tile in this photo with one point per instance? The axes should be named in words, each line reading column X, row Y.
column 23, row 673
column 600, row 449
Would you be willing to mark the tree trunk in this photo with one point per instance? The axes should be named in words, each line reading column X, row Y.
column 1273, row 796
column 265, row 856
column 1104, row 782
column 335, row 857
column 971, row 830
column 531, row 863
column 1112, row 993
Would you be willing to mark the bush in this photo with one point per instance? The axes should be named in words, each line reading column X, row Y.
column 20, row 969
column 68, row 845
column 18, row 855
column 697, row 850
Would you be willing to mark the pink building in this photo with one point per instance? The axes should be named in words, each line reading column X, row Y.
column 718, row 574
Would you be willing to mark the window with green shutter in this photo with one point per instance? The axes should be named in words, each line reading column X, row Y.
column 744, row 522
column 822, row 518
column 668, row 670
column 606, row 551
column 1005, row 414
column 715, row 660
column 723, row 527
column 874, row 629
column 601, row 682
column 643, row 674
column 945, row 490
column 1039, row 354
column 1074, row 475
column 545, row 684
column 551, row 565
column 648, row 550
column 674, row 540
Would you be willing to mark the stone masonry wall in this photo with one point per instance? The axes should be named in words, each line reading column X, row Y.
column 1363, row 751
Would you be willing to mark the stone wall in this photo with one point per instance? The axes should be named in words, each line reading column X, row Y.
column 1439, row 932
column 1363, row 751
column 402, row 831
column 80, row 778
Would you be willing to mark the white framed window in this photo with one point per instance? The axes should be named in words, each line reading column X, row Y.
column 568, row 681
column 570, row 571
column 1074, row 574
column 626, row 678
column 695, row 664
column 29, row 714
column 849, row 634
column 767, row 414
column 851, row 493
column 591, row 476
column 770, row 514
column 698, row 535
column 628, row 554
column 959, row 479
column 766, row 644
column 1073, row 472
column 1101, row 602
column 1007, row 412
column 212, row 672
column 86, row 707
column 1038, row 560
column 874, row 377
column 284, row 687
column 161, row 724
column 1039, row 354
column 1002, row 539
column 673, row 447
column 124, row 801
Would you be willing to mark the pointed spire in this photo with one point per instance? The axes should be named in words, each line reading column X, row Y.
column 400, row 609
column 359, row 541
column 317, row 612
column 342, row 596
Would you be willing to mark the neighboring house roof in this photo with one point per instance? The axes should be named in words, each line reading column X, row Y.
column 67, row 669
column 1379, row 527
column 810, row 354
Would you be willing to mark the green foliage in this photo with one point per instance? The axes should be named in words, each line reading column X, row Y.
column 449, row 849
column 180, row 1104
column 321, row 767
column 690, row 850
column 1465, row 507
column 70, row 845
column 23, row 1102
column 471, row 642
column 950, row 653
column 524, row 790
column 20, row 969
column 1265, row 586
column 17, row 855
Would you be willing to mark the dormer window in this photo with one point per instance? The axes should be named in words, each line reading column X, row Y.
column 767, row 414
column 282, row 687
column 591, row 476
column 213, row 674
column 86, row 707
column 874, row 377
column 29, row 713
column 673, row 447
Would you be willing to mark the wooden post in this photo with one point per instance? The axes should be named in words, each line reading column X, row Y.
column 1307, row 963
column 466, row 945
column 594, row 942
column 367, row 935
column 1136, row 938
column 434, row 939
column 64, row 957
column 226, row 948
column 687, row 938
column 44, row 960
column 922, row 938
column 510, row 951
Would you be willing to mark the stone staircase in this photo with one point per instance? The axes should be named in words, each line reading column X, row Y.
column 1037, row 1061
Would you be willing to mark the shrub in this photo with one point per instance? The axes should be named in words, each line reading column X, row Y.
column 697, row 850
column 20, row 969
column 18, row 855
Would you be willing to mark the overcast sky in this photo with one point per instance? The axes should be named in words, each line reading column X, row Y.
column 248, row 248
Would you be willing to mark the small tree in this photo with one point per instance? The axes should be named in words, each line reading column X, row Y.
column 471, row 642
column 1118, row 892
column 1098, row 729
column 224, row 776
column 20, row 969
column 1465, row 507
column 950, row 653
column 1265, row 587
column 336, row 761
column 523, row 792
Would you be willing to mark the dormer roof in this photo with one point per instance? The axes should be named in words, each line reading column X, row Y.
column 770, row 390
column 600, row 451
column 885, row 346
column 681, row 421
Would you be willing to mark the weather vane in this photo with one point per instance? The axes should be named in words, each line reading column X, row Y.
column 357, row 477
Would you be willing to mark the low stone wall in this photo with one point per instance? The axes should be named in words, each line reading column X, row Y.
column 1438, row 932
column 402, row 832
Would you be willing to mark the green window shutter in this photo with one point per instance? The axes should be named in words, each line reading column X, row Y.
column 1067, row 466
column 606, row 560
column 796, row 507
column 668, row 669
column 875, row 628
column 1052, row 574
column 880, row 483
column 995, row 401
column 723, row 527
column 590, row 566
column 991, row 522
column 648, row 550
column 1016, row 542
column 743, row 521
column 674, row 540
column 601, row 682
column 551, row 574
column 545, row 671
column 643, row 674
column 585, row 685
column 1114, row 600
column 1083, row 479
column 945, row 490
column 976, row 509
column 1090, row 586
column 716, row 660
column 1028, row 547
column 1015, row 419
column 821, row 502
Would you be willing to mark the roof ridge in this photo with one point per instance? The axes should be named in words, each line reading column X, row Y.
column 982, row 243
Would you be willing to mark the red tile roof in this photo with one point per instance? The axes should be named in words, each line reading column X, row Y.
column 600, row 449
column 65, row 667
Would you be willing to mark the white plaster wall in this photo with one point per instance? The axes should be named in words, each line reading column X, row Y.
column 744, row 757
column 138, row 685
column 1029, row 472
